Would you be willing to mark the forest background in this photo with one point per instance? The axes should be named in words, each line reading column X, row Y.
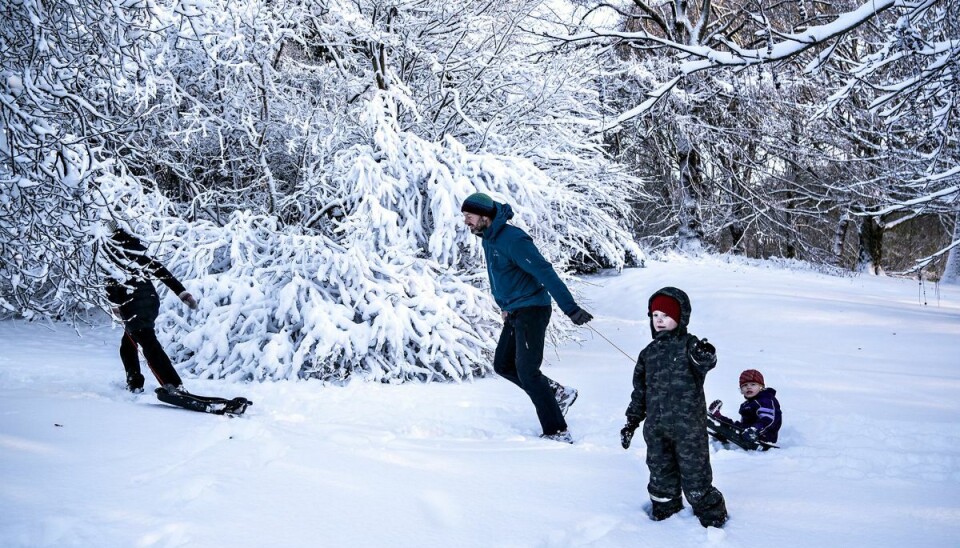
column 300, row 163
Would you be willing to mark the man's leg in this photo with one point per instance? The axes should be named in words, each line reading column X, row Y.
column 530, row 328
column 505, row 359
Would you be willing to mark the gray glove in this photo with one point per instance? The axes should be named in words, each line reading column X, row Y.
column 188, row 299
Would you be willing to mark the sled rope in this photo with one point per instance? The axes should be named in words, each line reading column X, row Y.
column 610, row 342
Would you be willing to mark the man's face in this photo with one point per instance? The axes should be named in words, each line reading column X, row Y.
column 477, row 223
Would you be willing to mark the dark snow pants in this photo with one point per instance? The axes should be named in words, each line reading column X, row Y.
column 678, row 456
column 518, row 358
column 157, row 359
column 139, row 307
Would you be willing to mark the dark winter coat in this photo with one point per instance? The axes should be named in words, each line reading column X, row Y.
column 519, row 275
column 129, row 287
column 668, row 378
column 763, row 413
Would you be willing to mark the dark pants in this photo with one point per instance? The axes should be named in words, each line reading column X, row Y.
column 518, row 358
column 139, row 307
column 157, row 359
column 678, row 456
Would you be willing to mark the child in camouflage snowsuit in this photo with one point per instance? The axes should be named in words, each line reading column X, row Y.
column 668, row 393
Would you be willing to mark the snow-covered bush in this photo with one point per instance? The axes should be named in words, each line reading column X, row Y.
column 397, row 294
column 290, row 165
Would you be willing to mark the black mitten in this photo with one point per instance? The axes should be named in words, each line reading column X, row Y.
column 626, row 433
column 704, row 347
column 580, row 316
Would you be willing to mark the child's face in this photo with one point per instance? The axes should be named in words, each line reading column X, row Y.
column 750, row 389
column 662, row 322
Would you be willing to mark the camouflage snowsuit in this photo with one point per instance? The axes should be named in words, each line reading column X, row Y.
column 668, row 393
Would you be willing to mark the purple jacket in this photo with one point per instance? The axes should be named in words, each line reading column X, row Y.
column 761, row 412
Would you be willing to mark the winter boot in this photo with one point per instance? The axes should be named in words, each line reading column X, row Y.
column 563, row 436
column 174, row 390
column 710, row 508
column 564, row 394
column 135, row 382
column 662, row 510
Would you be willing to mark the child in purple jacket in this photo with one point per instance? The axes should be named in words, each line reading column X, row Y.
column 760, row 415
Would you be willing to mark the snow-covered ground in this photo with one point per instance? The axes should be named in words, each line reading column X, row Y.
column 868, row 377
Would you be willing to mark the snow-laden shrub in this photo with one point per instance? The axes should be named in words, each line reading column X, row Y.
column 300, row 167
column 400, row 294
column 275, row 303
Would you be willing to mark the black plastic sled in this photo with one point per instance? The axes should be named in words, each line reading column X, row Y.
column 728, row 433
column 203, row 404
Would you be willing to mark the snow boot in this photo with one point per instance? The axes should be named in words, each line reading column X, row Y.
column 135, row 382
column 563, row 436
column 660, row 511
column 709, row 507
column 565, row 396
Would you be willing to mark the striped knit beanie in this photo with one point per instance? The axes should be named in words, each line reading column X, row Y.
column 480, row 204
column 751, row 375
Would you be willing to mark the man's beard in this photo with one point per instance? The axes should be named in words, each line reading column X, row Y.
column 482, row 225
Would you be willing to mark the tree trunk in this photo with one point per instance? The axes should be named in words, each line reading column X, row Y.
column 690, row 233
column 736, row 233
column 951, row 272
column 871, row 246
column 840, row 236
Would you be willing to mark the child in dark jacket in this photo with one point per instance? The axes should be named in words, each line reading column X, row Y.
column 136, row 302
column 668, row 394
column 760, row 416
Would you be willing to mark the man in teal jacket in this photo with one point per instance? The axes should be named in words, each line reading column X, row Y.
column 522, row 282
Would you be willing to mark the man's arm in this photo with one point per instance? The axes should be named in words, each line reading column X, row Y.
column 529, row 259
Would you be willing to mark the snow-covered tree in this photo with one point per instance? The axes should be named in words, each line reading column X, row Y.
column 300, row 165
column 66, row 67
column 884, row 60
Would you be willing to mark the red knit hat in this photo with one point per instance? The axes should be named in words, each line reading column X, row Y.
column 751, row 375
column 666, row 304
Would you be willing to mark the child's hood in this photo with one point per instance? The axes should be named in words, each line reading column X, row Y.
column 685, row 308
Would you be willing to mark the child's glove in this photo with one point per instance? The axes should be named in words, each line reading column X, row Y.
column 705, row 347
column 751, row 435
column 188, row 300
column 714, row 407
column 626, row 433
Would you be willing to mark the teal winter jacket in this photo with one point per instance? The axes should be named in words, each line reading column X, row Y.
column 519, row 275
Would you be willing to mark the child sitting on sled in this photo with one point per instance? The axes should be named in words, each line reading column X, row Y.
column 760, row 415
